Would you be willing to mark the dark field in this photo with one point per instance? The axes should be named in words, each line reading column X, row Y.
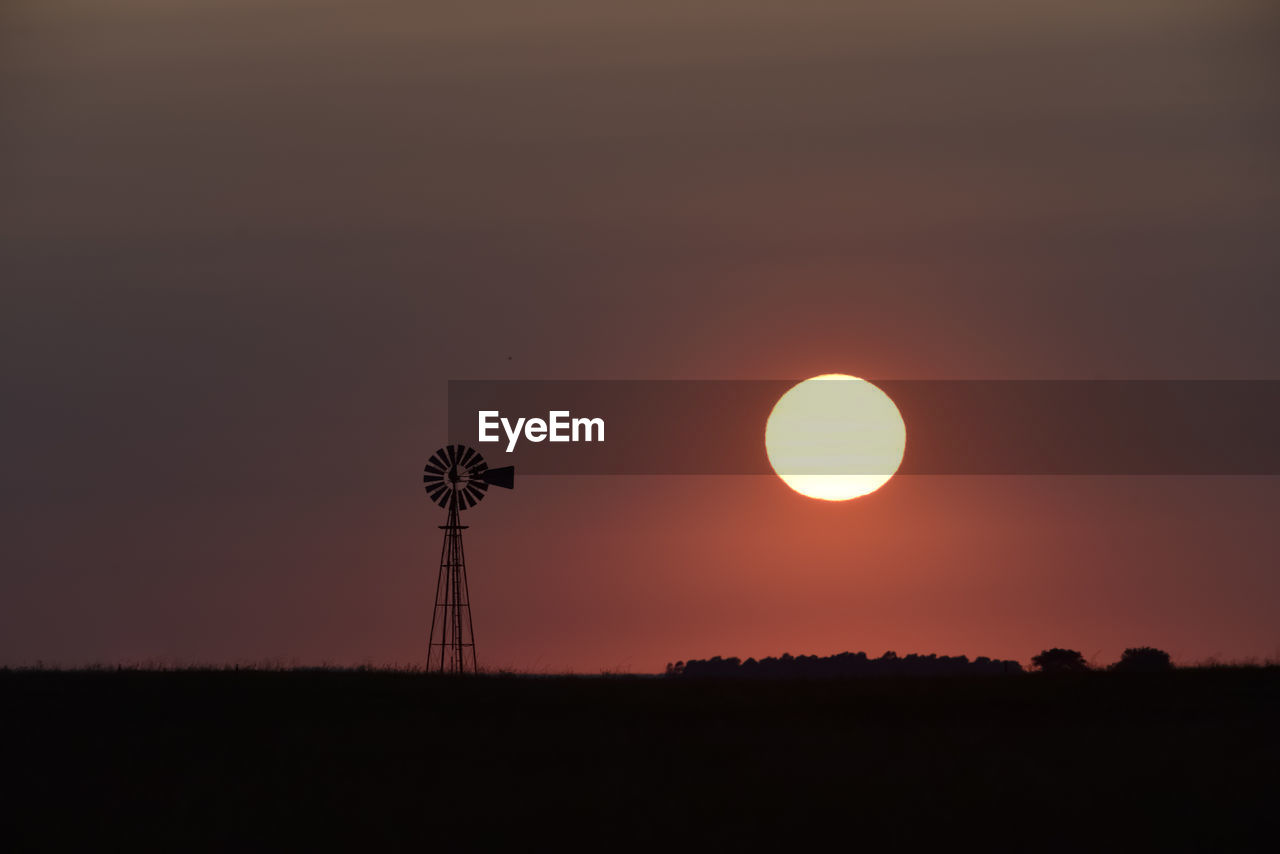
column 384, row 760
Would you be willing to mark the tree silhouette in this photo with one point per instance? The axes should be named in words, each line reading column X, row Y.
column 841, row 665
column 1143, row 659
column 1060, row 661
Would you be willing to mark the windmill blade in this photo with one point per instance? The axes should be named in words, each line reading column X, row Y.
column 504, row 477
column 459, row 472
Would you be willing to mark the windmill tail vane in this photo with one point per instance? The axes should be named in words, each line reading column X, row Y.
column 456, row 478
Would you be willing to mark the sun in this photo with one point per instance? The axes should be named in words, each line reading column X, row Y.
column 835, row 437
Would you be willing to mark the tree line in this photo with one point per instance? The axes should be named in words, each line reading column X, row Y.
column 1056, row 660
column 1138, row 659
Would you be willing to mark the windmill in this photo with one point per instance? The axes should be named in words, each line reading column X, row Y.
column 456, row 477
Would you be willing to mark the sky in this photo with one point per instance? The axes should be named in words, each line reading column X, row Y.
column 244, row 247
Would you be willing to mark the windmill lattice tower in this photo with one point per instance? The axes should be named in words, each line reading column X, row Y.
column 457, row 478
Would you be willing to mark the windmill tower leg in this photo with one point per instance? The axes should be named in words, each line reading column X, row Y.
column 452, row 645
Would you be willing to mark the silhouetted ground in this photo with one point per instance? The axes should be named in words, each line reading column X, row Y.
column 260, row 760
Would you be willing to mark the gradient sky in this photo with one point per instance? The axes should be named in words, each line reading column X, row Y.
column 244, row 246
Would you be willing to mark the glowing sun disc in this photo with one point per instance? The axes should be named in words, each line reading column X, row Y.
column 835, row 437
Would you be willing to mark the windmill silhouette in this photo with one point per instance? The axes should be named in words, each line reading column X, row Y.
column 457, row 478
